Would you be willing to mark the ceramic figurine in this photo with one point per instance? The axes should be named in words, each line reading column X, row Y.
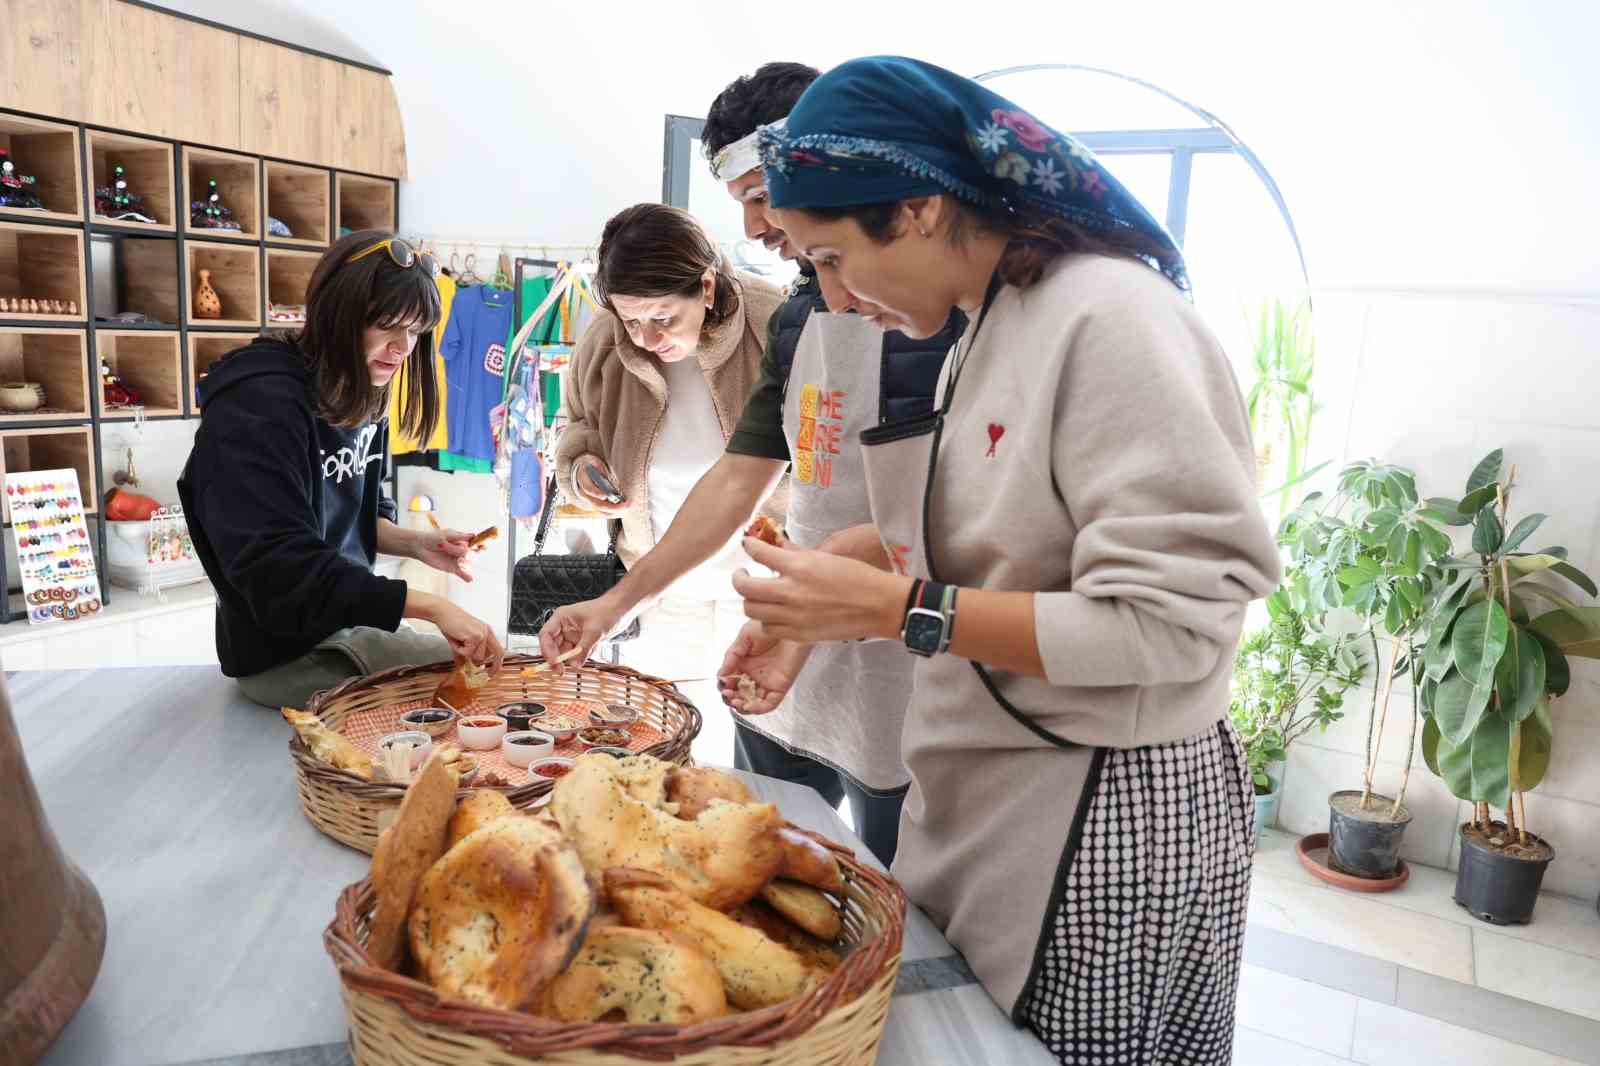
column 207, row 304
column 117, row 202
column 116, row 393
column 15, row 194
column 210, row 212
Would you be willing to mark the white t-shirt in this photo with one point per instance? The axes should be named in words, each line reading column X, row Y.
column 689, row 444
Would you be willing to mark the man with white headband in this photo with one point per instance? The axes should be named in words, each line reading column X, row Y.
column 828, row 373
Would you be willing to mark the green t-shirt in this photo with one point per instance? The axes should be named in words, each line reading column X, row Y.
column 760, row 429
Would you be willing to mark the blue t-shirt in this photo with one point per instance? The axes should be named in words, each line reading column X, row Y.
column 474, row 351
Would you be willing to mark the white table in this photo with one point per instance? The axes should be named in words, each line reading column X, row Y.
column 177, row 798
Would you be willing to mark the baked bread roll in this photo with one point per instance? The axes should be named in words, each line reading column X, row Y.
column 806, row 907
column 720, row 859
column 405, row 852
column 694, row 788
column 649, row 977
column 756, row 970
column 810, row 862
column 477, row 811
column 328, row 745
column 504, row 911
column 820, row 956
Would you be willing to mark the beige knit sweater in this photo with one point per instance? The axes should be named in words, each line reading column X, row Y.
column 615, row 397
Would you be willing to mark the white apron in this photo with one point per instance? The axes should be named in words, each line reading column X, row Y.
column 847, row 706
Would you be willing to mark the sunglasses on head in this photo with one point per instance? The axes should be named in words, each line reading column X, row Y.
column 402, row 255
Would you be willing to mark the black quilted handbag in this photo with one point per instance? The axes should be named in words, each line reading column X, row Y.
column 540, row 583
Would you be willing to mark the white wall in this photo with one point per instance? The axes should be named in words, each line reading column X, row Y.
column 1435, row 381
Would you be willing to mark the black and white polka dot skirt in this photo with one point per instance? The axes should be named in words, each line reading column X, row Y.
column 1138, row 962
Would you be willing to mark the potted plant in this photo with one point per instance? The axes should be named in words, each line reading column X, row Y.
column 1491, row 666
column 1288, row 677
column 1375, row 550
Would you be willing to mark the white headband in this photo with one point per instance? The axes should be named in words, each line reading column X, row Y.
column 742, row 156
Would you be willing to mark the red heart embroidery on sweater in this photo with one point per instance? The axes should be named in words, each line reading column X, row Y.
column 996, row 431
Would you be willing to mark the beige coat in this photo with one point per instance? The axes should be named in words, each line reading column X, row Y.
column 615, row 397
column 1097, row 454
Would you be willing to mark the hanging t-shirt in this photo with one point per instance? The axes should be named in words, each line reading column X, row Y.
column 689, row 444
column 399, row 443
column 474, row 357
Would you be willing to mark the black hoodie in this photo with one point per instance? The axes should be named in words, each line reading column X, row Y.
column 283, row 509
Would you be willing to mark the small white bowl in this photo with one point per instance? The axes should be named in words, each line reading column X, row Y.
column 480, row 737
column 550, row 760
column 613, row 716
column 420, row 741
column 434, row 721
column 560, row 727
column 522, row 748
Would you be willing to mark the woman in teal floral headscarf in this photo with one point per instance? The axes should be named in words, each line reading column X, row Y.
column 1070, row 542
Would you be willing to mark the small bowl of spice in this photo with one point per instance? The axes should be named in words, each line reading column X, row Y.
column 521, row 749
column 520, row 717
column 434, row 721
column 602, row 737
column 550, row 768
column 613, row 716
column 558, row 726
column 614, row 752
column 480, row 732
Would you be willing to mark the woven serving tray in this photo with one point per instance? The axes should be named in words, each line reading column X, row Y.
column 353, row 810
column 399, row 1021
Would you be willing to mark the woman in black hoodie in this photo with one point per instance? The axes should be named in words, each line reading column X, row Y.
column 284, row 488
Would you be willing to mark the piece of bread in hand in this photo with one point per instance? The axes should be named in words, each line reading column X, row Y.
column 479, row 539
column 765, row 530
column 458, row 690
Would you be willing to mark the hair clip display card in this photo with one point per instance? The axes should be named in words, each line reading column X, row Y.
column 54, row 553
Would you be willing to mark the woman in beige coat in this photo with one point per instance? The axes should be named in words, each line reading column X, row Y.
column 657, row 384
column 1069, row 541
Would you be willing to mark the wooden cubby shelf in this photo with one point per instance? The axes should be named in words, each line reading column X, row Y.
column 57, row 360
column 148, row 362
column 288, row 276
column 238, row 179
column 363, row 203
column 205, row 349
column 48, row 152
column 301, row 198
column 42, row 263
column 235, row 274
column 70, row 447
column 145, row 279
column 147, row 168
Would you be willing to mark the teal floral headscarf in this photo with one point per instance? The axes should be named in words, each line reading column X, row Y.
column 887, row 128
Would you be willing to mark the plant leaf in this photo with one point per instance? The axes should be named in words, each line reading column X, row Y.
column 1577, row 577
column 1557, row 672
column 1531, row 564
column 1487, row 532
column 1473, row 502
column 1443, row 509
column 1523, row 530
column 1487, row 472
column 1520, row 676
column 1430, row 745
column 1575, row 632
column 1458, row 706
column 1533, row 588
column 1476, row 770
column 1538, row 738
column 1478, row 641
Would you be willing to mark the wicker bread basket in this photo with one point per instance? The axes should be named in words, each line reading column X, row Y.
column 353, row 810
column 398, row 1021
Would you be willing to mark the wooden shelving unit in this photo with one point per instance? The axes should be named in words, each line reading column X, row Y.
column 149, row 362
column 147, row 168
column 238, row 179
column 49, row 152
column 205, row 349
column 364, row 203
column 52, row 449
column 302, row 199
column 288, row 276
column 152, row 269
column 42, row 263
column 235, row 274
column 57, row 360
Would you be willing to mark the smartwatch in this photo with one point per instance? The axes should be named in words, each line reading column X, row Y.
column 926, row 629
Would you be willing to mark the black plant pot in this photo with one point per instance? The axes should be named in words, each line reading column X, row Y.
column 1364, row 843
column 1498, row 888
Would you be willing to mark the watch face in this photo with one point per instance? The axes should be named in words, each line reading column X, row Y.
column 923, row 632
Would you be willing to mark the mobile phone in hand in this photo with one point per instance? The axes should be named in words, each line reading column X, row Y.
column 607, row 489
